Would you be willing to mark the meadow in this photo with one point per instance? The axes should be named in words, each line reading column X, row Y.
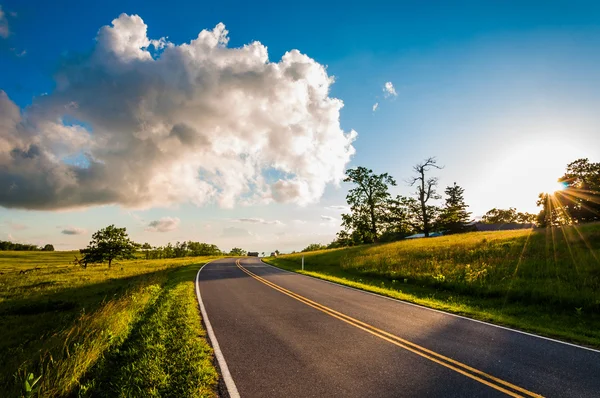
column 545, row 281
column 131, row 330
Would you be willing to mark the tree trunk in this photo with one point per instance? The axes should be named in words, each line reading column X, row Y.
column 109, row 262
column 424, row 206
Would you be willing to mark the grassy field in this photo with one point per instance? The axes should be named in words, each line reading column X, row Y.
column 129, row 331
column 544, row 281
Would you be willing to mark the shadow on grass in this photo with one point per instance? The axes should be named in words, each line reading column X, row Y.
column 28, row 322
column 162, row 354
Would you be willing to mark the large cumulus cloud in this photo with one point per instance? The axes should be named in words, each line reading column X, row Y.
column 141, row 122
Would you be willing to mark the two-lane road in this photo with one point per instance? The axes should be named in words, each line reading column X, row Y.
column 284, row 334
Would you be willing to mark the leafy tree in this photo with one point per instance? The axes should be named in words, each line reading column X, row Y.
column 368, row 202
column 48, row 248
column 581, row 197
column 314, row 247
column 526, row 218
column 508, row 216
column 426, row 191
column 236, row 251
column 146, row 248
column 108, row 244
column 402, row 218
column 552, row 213
column 454, row 215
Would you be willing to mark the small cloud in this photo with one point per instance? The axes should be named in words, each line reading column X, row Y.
column 328, row 218
column 389, row 90
column 375, row 106
column 299, row 222
column 165, row 224
column 73, row 231
column 338, row 208
column 253, row 220
column 4, row 32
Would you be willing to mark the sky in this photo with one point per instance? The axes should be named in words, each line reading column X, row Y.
column 233, row 122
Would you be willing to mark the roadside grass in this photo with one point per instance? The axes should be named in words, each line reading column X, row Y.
column 62, row 322
column 542, row 281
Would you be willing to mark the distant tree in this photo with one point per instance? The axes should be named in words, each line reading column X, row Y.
column 236, row 251
column 6, row 245
column 277, row 252
column 146, row 248
column 552, row 213
column 426, row 191
column 454, row 215
column 500, row 216
column 368, row 202
column 108, row 244
column 526, row 218
column 262, row 254
column 48, row 248
column 314, row 247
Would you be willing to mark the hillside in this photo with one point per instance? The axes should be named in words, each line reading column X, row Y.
column 547, row 281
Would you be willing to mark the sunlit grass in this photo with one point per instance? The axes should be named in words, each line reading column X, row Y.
column 547, row 281
column 63, row 323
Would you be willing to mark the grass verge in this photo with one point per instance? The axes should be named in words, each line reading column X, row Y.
column 544, row 282
column 71, row 325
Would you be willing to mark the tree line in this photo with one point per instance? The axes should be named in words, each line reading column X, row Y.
column 113, row 243
column 376, row 216
column 7, row 245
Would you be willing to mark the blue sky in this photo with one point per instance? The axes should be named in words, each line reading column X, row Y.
column 504, row 94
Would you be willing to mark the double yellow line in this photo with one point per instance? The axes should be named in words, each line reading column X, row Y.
column 482, row 377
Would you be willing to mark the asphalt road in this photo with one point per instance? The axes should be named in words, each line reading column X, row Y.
column 287, row 335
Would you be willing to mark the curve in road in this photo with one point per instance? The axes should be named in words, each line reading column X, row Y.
column 286, row 334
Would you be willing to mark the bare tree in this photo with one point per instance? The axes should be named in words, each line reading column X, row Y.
column 426, row 191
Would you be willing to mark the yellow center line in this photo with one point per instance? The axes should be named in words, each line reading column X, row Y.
column 450, row 363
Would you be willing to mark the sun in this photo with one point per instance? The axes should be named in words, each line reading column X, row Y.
column 555, row 186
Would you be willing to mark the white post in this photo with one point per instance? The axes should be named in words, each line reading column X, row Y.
column 303, row 262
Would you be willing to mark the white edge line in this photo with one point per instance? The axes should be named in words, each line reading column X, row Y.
column 229, row 383
column 436, row 310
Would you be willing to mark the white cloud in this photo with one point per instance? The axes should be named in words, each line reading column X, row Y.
column 73, row 231
column 259, row 221
column 299, row 222
column 165, row 224
column 389, row 90
column 197, row 122
column 375, row 106
column 328, row 218
column 4, row 32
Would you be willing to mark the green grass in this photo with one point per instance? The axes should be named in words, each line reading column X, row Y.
column 133, row 330
column 542, row 281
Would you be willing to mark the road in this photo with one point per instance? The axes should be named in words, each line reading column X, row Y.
column 286, row 335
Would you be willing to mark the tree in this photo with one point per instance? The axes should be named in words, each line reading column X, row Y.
column 48, row 248
column 314, row 247
column 108, row 244
column 581, row 197
column 454, row 215
column 426, row 192
column 500, row 216
column 368, row 202
column 236, row 251
column 146, row 248
column 402, row 218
